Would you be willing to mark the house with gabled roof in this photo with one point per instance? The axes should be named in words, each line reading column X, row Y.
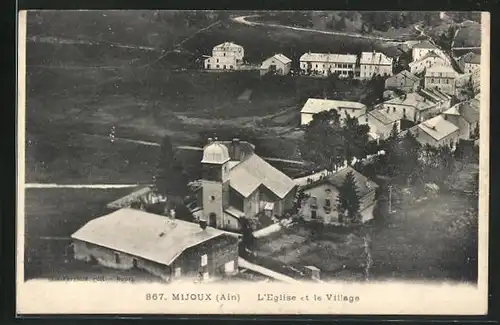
column 441, row 77
column 225, row 56
column 437, row 131
column 327, row 63
column 404, row 81
column 277, row 64
column 237, row 183
column 470, row 62
column 321, row 204
column 420, row 49
column 343, row 107
column 428, row 60
column 465, row 116
column 375, row 63
column 168, row 248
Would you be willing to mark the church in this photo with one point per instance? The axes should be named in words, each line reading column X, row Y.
column 237, row 183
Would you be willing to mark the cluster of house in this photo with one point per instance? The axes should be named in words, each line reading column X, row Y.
column 424, row 104
column 235, row 183
column 229, row 56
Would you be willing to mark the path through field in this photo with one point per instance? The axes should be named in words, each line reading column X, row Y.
column 243, row 20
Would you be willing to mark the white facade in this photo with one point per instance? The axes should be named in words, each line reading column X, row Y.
column 421, row 49
column 442, row 78
column 225, row 56
column 375, row 63
column 278, row 64
column 344, row 108
column 323, row 64
column 427, row 61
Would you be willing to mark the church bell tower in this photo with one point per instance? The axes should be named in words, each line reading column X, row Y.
column 215, row 182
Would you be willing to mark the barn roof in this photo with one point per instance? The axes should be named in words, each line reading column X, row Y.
column 150, row 236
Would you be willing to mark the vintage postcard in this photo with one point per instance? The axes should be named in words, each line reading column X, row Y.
column 253, row 162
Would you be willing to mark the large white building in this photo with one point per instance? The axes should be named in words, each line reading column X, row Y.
column 325, row 63
column 442, row 78
column 375, row 63
column 427, row 61
column 344, row 108
column 225, row 56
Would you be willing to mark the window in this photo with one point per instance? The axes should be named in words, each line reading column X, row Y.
column 217, row 60
column 313, row 214
column 328, row 203
column 224, row 53
column 212, row 197
column 134, row 263
column 117, row 258
column 314, row 201
column 218, row 66
column 316, row 65
column 204, row 260
column 352, row 110
column 177, row 272
column 224, row 67
column 229, row 267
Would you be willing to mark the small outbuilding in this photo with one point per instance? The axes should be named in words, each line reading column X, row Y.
column 277, row 64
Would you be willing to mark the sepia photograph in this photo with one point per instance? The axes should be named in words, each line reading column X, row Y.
column 196, row 153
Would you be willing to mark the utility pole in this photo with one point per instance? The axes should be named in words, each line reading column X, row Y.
column 390, row 199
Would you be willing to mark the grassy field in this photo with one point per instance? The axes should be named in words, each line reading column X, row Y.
column 79, row 159
column 58, row 213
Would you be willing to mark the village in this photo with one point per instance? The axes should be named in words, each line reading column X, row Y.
column 402, row 150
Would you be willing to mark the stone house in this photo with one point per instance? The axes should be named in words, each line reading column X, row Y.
column 465, row 116
column 321, row 204
column 168, row 248
column 225, row 56
column 404, row 81
column 375, row 63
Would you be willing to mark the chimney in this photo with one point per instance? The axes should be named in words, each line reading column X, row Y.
column 203, row 224
column 236, row 149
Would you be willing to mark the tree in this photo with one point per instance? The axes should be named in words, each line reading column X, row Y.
column 322, row 140
column 300, row 197
column 355, row 138
column 340, row 24
column 394, row 132
column 348, row 198
column 248, row 238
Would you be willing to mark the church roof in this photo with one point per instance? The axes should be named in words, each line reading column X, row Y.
column 215, row 153
column 253, row 172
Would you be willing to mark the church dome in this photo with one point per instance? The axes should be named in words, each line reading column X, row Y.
column 215, row 153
